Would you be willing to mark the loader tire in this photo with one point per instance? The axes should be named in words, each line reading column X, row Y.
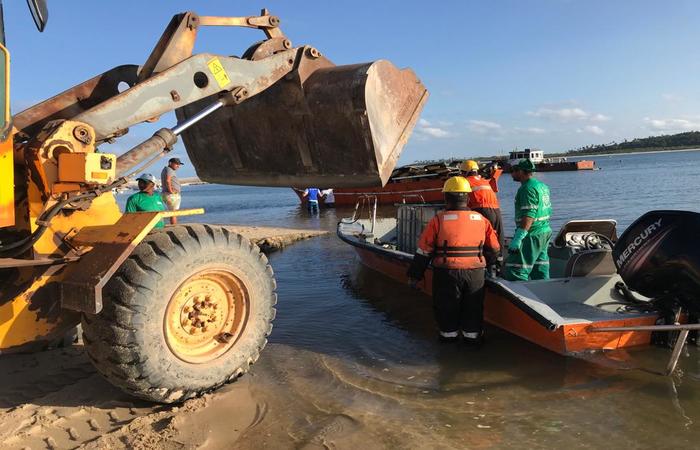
column 188, row 311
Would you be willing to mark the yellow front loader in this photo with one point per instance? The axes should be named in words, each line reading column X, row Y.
column 168, row 314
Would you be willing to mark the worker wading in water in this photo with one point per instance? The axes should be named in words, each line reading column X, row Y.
column 483, row 198
column 527, row 253
column 460, row 243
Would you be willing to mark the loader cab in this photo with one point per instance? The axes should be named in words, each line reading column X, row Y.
column 40, row 15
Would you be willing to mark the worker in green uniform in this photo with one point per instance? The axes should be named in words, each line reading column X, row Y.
column 146, row 199
column 527, row 253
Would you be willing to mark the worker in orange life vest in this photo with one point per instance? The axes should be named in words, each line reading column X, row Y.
column 483, row 196
column 460, row 243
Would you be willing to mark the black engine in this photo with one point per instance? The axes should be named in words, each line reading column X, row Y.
column 659, row 257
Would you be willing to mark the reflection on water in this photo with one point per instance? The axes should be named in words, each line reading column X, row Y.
column 381, row 337
column 372, row 342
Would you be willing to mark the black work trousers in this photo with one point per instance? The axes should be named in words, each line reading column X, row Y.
column 458, row 299
column 493, row 215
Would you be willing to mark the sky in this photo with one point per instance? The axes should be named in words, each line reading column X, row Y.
column 502, row 74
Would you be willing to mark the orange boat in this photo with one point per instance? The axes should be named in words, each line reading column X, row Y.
column 413, row 183
column 428, row 191
column 585, row 306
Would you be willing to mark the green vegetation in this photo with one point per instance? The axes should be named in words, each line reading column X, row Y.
column 665, row 142
column 690, row 139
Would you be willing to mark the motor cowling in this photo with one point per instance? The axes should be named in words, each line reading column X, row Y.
column 659, row 255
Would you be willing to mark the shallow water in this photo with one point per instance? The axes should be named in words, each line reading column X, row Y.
column 360, row 350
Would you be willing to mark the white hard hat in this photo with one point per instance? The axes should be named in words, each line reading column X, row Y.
column 147, row 177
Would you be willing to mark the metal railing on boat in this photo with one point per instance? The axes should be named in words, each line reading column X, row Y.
column 369, row 201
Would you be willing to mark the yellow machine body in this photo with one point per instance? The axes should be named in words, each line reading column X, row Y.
column 7, row 171
column 95, row 168
column 7, row 184
column 30, row 303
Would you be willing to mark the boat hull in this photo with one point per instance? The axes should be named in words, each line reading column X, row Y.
column 565, row 166
column 424, row 191
column 500, row 311
column 567, row 339
column 561, row 166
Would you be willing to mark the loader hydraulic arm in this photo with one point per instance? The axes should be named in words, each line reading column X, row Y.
column 170, row 79
column 163, row 140
column 177, row 42
column 163, row 83
column 193, row 79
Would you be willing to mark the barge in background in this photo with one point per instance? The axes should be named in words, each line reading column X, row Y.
column 545, row 164
column 586, row 305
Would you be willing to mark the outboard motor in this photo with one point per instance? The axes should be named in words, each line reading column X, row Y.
column 659, row 257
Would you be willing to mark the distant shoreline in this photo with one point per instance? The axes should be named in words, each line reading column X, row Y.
column 587, row 155
column 633, row 152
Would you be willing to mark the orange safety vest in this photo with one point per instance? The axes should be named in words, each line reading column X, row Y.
column 456, row 240
column 483, row 194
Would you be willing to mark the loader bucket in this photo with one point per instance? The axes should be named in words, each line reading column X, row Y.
column 321, row 125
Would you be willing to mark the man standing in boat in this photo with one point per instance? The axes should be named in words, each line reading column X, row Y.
column 460, row 243
column 483, row 196
column 527, row 253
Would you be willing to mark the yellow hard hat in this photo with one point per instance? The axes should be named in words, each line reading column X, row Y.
column 469, row 166
column 457, row 185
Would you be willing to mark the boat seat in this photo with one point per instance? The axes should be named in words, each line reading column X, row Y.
column 589, row 263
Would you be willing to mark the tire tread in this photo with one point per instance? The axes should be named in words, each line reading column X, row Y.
column 111, row 336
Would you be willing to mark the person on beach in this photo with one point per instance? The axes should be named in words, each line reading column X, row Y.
column 460, row 243
column 328, row 198
column 483, row 196
column 171, row 186
column 527, row 253
column 312, row 196
column 146, row 199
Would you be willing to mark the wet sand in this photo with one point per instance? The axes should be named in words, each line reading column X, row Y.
column 292, row 399
column 55, row 399
column 271, row 239
column 296, row 398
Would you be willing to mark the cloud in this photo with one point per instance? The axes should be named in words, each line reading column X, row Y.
column 599, row 118
column 484, row 127
column 531, row 130
column 563, row 114
column 672, row 98
column 435, row 132
column 677, row 124
column 592, row 129
column 427, row 130
column 567, row 115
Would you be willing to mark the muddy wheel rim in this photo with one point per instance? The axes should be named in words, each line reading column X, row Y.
column 206, row 315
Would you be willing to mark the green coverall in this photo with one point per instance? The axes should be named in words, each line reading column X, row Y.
column 532, row 261
column 142, row 201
